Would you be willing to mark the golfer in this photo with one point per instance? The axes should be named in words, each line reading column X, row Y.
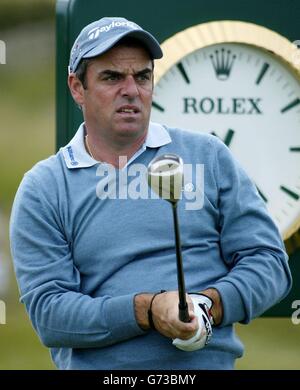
column 93, row 248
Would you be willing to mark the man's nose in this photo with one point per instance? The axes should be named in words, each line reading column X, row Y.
column 129, row 87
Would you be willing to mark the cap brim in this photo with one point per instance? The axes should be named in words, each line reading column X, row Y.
column 146, row 38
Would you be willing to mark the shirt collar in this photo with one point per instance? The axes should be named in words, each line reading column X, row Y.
column 76, row 155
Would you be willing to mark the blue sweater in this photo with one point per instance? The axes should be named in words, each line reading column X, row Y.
column 80, row 258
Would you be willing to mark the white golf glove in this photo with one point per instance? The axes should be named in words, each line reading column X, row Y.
column 202, row 306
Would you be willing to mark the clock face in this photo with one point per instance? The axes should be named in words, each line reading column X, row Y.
column 250, row 99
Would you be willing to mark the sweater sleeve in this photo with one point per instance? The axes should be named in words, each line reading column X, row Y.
column 50, row 283
column 251, row 245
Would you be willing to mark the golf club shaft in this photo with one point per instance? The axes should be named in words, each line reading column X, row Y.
column 183, row 307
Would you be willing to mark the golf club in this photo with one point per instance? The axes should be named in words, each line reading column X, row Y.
column 165, row 177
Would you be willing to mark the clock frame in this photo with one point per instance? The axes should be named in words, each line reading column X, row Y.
column 227, row 31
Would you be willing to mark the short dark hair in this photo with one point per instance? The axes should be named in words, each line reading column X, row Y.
column 127, row 42
column 82, row 69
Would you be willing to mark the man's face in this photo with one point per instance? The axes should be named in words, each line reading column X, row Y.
column 117, row 100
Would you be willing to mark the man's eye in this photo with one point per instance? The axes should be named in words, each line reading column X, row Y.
column 112, row 77
column 143, row 77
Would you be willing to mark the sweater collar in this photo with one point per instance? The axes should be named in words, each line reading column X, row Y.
column 76, row 155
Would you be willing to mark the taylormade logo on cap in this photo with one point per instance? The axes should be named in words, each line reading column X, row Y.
column 94, row 33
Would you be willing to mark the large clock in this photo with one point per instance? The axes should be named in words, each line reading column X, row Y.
column 238, row 81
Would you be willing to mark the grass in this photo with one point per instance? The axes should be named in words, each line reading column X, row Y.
column 20, row 347
column 27, row 135
column 270, row 344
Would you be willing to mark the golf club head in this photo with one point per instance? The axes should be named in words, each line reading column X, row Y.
column 165, row 176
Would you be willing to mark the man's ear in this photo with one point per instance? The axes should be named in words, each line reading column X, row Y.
column 76, row 89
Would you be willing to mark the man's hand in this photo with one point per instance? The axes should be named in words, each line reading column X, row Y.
column 202, row 308
column 165, row 315
column 166, row 320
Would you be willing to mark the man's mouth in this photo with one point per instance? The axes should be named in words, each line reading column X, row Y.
column 128, row 110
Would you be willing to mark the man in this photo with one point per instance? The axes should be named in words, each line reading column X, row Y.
column 92, row 251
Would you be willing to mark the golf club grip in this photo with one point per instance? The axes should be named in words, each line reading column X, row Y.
column 184, row 313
